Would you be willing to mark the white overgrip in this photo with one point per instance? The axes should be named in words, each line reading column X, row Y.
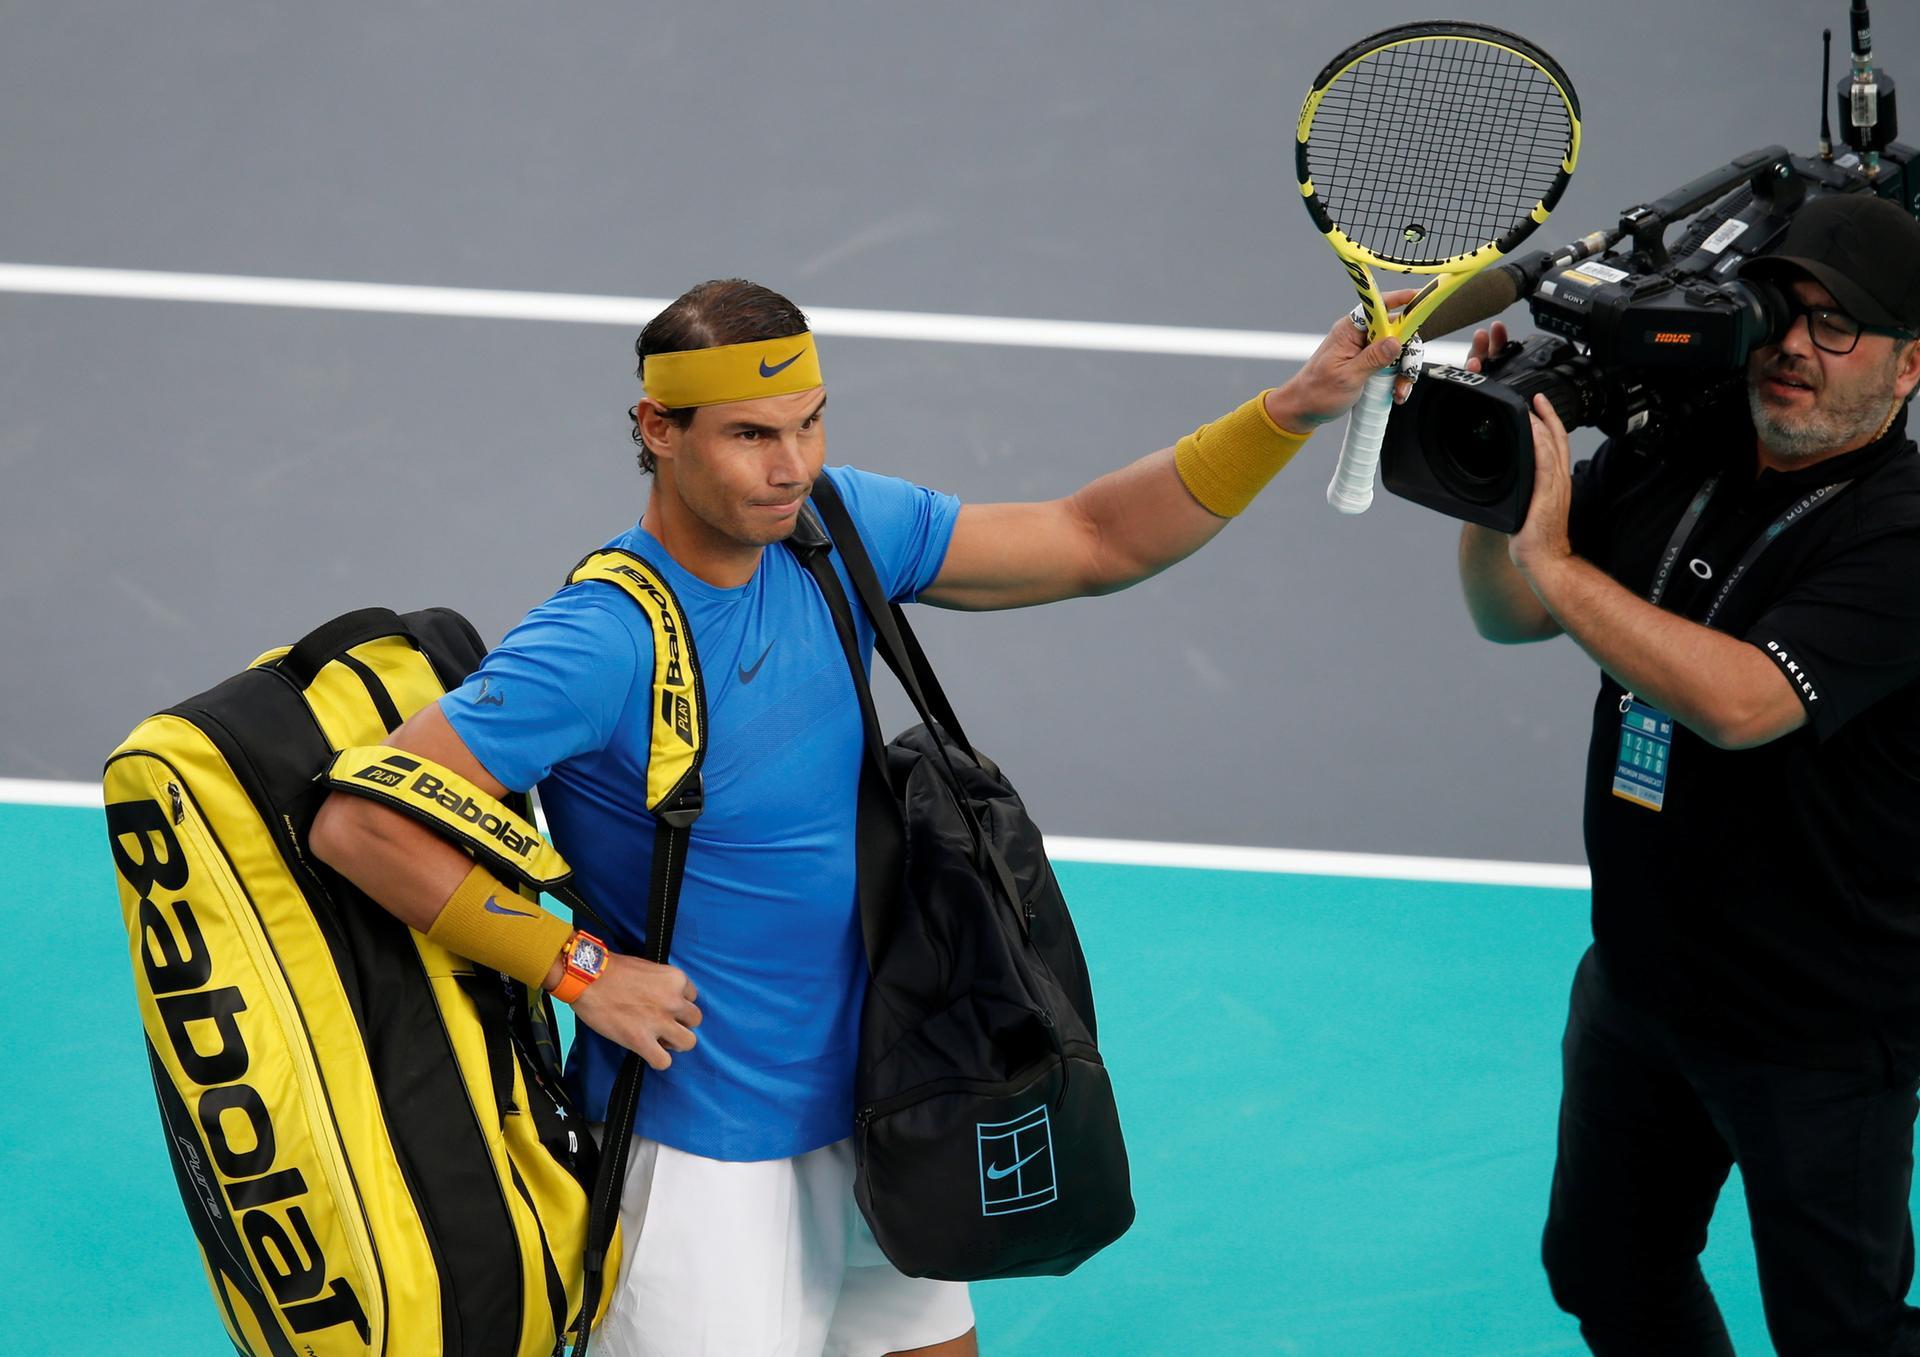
column 1351, row 489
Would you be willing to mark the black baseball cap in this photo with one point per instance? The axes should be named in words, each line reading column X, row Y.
column 1863, row 249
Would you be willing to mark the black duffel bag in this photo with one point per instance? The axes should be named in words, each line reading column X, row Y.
column 987, row 1139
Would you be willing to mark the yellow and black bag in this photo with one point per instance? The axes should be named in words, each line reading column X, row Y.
column 368, row 1132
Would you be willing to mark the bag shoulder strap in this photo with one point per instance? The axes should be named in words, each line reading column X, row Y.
column 676, row 749
column 879, row 840
column 454, row 808
column 897, row 644
column 910, row 665
column 677, row 737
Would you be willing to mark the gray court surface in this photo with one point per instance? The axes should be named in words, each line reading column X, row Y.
column 186, row 484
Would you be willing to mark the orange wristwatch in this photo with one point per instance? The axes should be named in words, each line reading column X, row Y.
column 586, row 957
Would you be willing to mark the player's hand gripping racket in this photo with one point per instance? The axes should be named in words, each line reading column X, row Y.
column 1430, row 148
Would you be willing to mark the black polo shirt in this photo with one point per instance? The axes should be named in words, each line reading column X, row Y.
column 1774, row 900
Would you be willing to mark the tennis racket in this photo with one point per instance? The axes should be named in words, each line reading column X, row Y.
column 1431, row 148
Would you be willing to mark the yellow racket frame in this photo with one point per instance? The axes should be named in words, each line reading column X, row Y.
column 1447, row 274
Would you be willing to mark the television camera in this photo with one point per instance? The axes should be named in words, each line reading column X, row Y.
column 1637, row 335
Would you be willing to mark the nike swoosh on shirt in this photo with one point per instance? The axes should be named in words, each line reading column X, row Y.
column 994, row 1171
column 778, row 368
column 493, row 906
column 747, row 675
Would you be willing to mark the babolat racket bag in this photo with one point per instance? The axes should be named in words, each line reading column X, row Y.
column 368, row 1132
column 987, row 1141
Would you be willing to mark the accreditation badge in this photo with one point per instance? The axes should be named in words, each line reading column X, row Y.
column 1640, row 765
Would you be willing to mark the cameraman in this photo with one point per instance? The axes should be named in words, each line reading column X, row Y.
column 1752, row 994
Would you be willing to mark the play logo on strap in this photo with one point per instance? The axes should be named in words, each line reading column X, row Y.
column 389, row 772
column 1016, row 1163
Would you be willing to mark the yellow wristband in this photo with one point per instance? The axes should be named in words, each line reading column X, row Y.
column 495, row 926
column 1226, row 463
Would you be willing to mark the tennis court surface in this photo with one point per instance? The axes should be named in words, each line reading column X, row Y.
column 1338, row 1092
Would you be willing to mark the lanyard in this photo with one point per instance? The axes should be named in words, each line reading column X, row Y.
column 1683, row 533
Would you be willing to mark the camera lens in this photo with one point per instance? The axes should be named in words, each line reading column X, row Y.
column 1471, row 448
column 1482, row 457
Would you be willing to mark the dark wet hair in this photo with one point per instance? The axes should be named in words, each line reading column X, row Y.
column 706, row 316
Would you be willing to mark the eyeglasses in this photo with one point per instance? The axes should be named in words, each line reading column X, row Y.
column 1832, row 331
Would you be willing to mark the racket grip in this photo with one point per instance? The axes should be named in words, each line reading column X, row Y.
column 1351, row 489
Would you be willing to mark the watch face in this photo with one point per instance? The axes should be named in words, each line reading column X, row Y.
column 588, row 957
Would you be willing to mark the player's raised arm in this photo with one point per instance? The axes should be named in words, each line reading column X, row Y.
column 1135, row 522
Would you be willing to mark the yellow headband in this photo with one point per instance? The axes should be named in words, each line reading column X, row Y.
column 732, row 372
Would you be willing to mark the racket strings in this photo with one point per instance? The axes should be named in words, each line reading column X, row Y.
column 1464, row 163
column 1453, row 171
column 1428, row 150
column 1481, row 135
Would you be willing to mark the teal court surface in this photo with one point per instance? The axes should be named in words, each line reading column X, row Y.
column 1338, row 1092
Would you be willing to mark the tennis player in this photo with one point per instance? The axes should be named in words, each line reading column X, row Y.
column 742, row 1237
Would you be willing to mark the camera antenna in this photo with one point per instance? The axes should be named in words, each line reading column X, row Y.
column 1826, row 80
column 1864, row 103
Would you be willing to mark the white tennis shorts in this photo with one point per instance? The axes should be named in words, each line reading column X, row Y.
column 763, row 1259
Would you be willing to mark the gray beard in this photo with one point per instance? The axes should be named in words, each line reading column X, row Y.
column 1820, row 431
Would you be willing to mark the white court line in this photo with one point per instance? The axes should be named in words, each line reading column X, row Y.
column 1127, row 852
column 634, row 312
column 1314, row 862
column 17, row 791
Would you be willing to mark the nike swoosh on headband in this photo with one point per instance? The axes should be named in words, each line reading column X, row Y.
column 778, row 368
column 493, row 906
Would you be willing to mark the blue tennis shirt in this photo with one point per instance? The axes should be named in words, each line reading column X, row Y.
column 768, row 927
